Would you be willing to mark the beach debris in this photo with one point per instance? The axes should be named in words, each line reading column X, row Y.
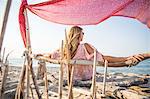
column 132, row 82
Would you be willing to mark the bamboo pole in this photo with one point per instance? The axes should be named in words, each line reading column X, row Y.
column 61, row 74
column 4, row 23
column 93, row 88
column 104, row 80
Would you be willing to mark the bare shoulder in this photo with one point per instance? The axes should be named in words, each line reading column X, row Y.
column 88, row 47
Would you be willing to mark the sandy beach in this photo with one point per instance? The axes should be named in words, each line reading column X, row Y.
column 118, row 86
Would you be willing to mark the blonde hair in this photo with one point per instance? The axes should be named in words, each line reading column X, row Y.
column 73, row 40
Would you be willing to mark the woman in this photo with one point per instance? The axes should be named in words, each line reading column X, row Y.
column 86, row 51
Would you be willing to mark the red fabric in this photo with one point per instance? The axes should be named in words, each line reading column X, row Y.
column 22, row 21
column 78, row 12
column 85, row 12
column 139, row 9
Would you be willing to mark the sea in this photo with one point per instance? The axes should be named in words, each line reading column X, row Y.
column 141, row 68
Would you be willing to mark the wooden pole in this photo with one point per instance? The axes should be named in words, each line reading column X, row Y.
column 71, row 84
column 61, row 74
column 75, row 61
column 93, row 88
column 32, row 95
column 3, row 55
column 4, row 23
column 2, row 62
column 35, row 83
column 104, row 80
column 46, row 81
column 21, row 81
column 29, row 59
column 70, row 94
column 28, row 47
column 68, row 58
column 27, row 82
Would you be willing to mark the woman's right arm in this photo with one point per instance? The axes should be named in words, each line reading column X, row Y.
column 53, row 55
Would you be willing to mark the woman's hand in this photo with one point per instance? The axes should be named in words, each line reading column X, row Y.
column 134, row 60
column 47, row 55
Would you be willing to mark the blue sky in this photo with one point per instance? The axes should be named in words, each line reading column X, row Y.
column 117, row 36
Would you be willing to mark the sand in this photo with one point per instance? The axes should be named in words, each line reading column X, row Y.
column 119, row 85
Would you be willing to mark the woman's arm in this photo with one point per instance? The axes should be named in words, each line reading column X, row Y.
column 120, row 61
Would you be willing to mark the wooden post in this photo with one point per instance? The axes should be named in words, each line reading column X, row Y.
column 32, row 95
column 4, row 23
column 61, row 74
column 104, row 80
column 29, row 59
column 68, row 58
column 94, row 77
column 27, row 82
column 28, row 47
column 46, row 82
column 70, row 94
column 35, row 83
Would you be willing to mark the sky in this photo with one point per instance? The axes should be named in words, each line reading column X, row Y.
column 116, row 36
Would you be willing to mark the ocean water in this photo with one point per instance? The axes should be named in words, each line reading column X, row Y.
column 141, row 68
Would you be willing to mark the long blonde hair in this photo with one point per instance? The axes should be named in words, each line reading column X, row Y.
column 73, row 40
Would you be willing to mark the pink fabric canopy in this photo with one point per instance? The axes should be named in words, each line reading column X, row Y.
column 78, row 12
column 139, row 9
column 85, row 12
